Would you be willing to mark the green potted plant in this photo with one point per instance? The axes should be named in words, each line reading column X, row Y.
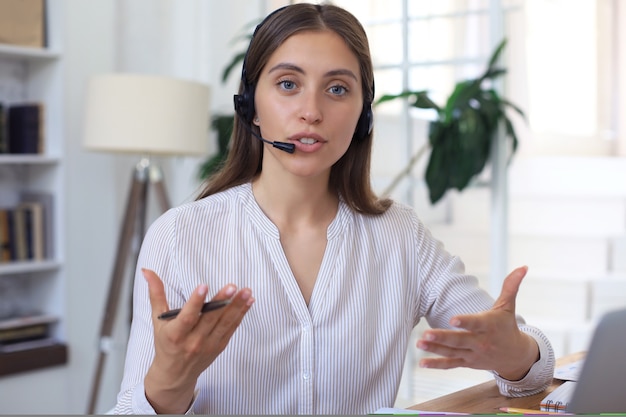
column 460, row 138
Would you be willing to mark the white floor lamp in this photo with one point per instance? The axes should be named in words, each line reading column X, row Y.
column 144, row 115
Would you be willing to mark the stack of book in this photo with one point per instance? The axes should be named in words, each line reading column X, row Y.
column 26, row 332
column 26, row 230
column 27, row 343
column 22, row 128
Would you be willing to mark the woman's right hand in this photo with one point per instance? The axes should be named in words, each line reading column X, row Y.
column 187, row 345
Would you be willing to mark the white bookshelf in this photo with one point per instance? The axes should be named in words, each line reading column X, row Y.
column 36, row 75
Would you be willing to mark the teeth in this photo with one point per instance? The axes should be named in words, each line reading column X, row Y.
column 307, row 141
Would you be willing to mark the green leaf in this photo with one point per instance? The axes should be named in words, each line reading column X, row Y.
column 493, row 74
column 404, row 94
column 417, row 99
column 232, row 64
column 510, row 131
column 422, row 101
column 496, row 54
column 514, row 107
column 436, row 177
column 437, row 132
column 223, row 124
column 460, row 99
column 211, row 165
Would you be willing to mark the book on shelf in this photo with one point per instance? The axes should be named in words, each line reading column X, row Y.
column 15, row 332
column 34, row 229
column 24, row 320
column 23, row 23
column 29, row 344
column 26, row 230
column 26, row 128
column 16, row 227
column 19, row 238
column 5, row 236
column 11, row 243
column 46, row 200
column 4, row 145
column 20, row 334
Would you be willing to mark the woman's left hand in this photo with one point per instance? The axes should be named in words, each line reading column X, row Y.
column 489, row 340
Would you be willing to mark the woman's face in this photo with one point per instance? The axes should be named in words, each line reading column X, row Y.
column 309, row 94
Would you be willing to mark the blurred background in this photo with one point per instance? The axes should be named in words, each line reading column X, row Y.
column 558, row 206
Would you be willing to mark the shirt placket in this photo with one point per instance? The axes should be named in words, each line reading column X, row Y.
column 307, row 368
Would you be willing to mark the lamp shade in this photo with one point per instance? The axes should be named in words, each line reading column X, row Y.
column 146, row 114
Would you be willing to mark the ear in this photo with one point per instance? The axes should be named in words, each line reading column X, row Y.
column 255, row 120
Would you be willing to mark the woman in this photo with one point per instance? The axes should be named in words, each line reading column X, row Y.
column 340, row 277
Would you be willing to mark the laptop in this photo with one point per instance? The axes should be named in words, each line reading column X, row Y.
column 601, row 385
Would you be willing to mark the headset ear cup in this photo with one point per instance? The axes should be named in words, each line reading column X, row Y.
column 365, row 123
column 244, row 103
column 240, row 105
column 249, row 99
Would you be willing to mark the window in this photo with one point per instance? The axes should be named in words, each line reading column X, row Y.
column 562, row 58
column 571, row 75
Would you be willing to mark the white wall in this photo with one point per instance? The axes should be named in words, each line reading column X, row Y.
column 92, row 196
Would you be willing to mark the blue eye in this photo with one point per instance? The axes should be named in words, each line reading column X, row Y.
column 287, row 84
column 338, row 90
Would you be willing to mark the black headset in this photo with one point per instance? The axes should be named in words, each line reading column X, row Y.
column 244, row 102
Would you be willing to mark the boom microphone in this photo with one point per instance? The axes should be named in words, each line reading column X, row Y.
column 283, row 146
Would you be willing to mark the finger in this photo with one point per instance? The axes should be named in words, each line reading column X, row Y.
column 209, row 320
column 238, row 306
column 226, row 292
column 510, row 287
column 476, row 323
column 455, row 339
column 441, row 363
column 155, row 291
column 190, row 313
column 233, row 314
column 505, row 302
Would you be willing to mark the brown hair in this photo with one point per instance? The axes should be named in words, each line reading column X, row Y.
column 350, row 175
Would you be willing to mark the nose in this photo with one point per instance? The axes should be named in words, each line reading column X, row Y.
column 311, row 111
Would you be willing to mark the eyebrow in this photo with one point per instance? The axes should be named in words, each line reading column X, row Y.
column 331, row 73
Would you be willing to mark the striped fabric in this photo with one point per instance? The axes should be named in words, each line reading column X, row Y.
column 341, row 354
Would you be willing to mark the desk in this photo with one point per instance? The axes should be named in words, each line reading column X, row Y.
column 486, row 399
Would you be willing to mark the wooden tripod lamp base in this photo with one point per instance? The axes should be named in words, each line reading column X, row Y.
column 144, row 175
column 141, row 114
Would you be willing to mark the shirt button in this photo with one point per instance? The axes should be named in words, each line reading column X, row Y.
column 306, row 375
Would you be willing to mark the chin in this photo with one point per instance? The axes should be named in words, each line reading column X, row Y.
column 309, row 171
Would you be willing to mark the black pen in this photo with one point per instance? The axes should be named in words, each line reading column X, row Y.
column 210, row 306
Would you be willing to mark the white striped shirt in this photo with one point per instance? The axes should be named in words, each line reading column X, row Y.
column 341, row 354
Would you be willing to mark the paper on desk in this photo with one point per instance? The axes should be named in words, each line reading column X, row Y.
column 569, row 372
column 404, row 411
